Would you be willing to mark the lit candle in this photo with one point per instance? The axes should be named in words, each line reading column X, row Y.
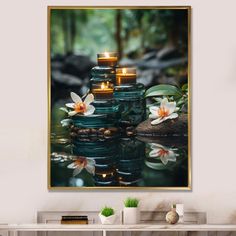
column 107, row 59
column 103, row 91
column 125, row 76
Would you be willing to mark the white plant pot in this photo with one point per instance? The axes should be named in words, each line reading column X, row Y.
column 110, row 220
column 131, row 215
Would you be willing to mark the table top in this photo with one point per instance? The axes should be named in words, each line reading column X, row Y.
column 99, row 227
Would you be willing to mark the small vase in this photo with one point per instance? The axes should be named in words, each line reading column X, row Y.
column 172, row 216
column 110, row 220
column 131, row 215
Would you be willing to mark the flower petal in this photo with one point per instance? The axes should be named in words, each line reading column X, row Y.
column 157, row 121
column 77, row 170
column 90, row 169
column 72, row 165
column 75, row 98
column 171, row 107
column 152, row 116
column 164, row 159
column 157, row 145
column 90, row 110
column 164, row 102
column 173, row 116
column 89, row 99
column 154, row 110
column 70, row 105
column 153, row 153
column 160, row 120
column 171, row 156
column 72, row 113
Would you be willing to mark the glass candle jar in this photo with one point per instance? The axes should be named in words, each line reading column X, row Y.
column 132, row 103
column 102, row 82
column 103, row 90
column 125, row 76
column 107, row 59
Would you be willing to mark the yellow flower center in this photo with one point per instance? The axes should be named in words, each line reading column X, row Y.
column 163, row 112
column 80, row 107
column 163, row 152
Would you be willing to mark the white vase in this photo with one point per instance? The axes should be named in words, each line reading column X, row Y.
column 110, row 220
column 131, row 215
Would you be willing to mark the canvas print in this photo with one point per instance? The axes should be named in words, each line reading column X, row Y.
column 119, row 98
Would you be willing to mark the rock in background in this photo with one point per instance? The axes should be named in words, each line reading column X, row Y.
column 70, row 73
column 173, row 127
column 153, row 67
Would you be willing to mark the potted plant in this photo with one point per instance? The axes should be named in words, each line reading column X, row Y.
column 131, row 211
column 107, row 215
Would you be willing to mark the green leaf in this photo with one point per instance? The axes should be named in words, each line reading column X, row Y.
column 185, row 87
column 64, row 109
column 163, row 90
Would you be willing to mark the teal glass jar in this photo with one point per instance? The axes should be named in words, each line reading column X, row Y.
column 102, row 82
column 130, row 96
column 132, row 103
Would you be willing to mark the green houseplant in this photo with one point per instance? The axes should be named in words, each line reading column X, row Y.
column 131, row 211
column 107, row 215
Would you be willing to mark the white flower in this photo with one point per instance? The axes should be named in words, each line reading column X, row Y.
column 164, row 153
column 79, row 106
column 82, row 163
column 164, row 112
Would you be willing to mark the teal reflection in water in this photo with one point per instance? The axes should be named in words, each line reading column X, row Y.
column 125, row 161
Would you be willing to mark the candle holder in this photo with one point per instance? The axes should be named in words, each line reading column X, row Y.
column 125, row 76
column 107, row 59
column 103, row 90
column 130, row 96
column 102, row 87
column 102, row 74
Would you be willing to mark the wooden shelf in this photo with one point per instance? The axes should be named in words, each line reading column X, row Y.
column 122, row 228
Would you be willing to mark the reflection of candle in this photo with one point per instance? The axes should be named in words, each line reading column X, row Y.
column 107, row 59
column 103, row 91
column 125, row 76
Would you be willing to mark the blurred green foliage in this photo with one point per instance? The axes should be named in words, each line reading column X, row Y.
column 131, row 32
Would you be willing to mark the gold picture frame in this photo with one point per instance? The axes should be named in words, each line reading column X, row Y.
column 49, row 9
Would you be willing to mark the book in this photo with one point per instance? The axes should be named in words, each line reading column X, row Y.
column 74, row 217
column 79, row 222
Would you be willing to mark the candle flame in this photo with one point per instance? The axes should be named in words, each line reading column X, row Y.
column 124, row 71
column 104, row 175
column 105, row 86
column 106, row 54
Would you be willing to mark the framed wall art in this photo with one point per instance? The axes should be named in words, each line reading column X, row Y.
column 119, row 98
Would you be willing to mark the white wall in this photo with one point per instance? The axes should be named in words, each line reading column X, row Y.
column 23, row 126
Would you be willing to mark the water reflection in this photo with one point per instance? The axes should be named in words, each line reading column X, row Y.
column 125, row 161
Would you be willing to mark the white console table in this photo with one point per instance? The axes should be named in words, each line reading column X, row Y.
column 104, row 229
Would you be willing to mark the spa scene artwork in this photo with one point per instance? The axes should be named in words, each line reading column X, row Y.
column 119, row 98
